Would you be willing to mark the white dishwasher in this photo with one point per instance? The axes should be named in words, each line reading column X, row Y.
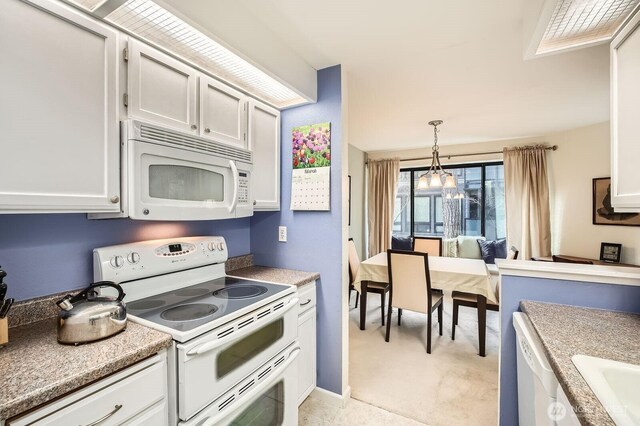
column 537, row 384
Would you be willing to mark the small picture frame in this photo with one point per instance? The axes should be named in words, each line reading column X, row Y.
column 610, row 252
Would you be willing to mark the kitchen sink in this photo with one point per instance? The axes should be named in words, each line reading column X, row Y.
column 615, row 384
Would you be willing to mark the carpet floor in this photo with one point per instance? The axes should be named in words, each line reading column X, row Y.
column 450, row 386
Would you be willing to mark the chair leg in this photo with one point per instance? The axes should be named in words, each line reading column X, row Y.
column 382, row 297
column 440, row 318
column 399, row 317
column 386, row 338
column 455, row 320
column 357, row 297
column 429, row 324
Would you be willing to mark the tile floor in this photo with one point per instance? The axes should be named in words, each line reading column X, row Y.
column 357, row 413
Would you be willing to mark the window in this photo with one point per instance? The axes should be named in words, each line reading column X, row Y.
column 480, row 212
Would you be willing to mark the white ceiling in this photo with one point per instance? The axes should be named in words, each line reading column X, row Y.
column 411, row 61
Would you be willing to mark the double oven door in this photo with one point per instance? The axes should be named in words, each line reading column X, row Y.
column 211, row 364
column 267, row 397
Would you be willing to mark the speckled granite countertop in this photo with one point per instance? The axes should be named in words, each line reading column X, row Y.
column 35, row 368
column 568, row 330
column 276, row 275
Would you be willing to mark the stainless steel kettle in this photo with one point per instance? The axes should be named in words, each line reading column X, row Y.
column 89, row 316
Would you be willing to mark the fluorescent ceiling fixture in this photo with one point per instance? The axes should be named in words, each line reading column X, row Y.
column 576, row 23
column 149, row 21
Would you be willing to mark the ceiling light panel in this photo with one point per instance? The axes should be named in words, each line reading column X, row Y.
column 153, row 23
column 580, row 22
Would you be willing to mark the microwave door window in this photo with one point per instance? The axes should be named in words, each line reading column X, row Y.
column 172, row 182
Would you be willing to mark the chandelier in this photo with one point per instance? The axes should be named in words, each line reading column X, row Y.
column 436, row 176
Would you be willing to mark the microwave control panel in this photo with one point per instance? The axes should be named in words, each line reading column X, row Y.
column 243, row 188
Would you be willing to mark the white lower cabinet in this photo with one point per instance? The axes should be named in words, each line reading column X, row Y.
column 136, row 395
column 307, row 341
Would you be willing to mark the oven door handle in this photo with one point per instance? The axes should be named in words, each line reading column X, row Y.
column 234, row 171
column 246, row 399
column 209, row 346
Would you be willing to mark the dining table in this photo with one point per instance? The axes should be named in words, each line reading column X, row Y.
column 447, row 273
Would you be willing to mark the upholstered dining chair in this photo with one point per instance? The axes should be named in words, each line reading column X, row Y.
column 430, row 245
column 471, row 300
column 372, row 287
column 410, row 283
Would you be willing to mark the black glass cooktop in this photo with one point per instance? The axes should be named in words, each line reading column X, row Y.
column 190, row 307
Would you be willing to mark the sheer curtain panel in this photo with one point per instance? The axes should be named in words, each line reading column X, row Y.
column 381, row 191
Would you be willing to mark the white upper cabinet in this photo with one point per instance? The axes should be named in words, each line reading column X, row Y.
column 161, row 89
column 264, row 141
column 223, row 113
column 625, row 114
column 58, row 110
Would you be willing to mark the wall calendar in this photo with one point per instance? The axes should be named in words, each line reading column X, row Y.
column 311, row 171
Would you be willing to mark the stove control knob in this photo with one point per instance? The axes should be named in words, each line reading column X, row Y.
column 116, row 261
column 220, row 246
column 133, row 258
column 211, row 246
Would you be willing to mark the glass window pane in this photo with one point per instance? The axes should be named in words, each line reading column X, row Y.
column 267, row 410
column 185, row 183
column 435, row 215
column 494, row 209
column 402, row 212
column 424, row 208
column 247, row 348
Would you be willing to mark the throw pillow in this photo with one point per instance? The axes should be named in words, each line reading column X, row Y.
column 402, row 243
column 468, row 247
column 450, row 247
column 492, row 250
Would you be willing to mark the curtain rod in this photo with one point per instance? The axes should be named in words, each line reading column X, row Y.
column 448, row 157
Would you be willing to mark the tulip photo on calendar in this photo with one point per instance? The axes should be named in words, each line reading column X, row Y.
column 312, row 146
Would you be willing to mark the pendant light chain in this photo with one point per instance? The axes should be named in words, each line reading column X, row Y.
column 433, row 177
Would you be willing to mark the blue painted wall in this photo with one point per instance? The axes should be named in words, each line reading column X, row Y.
column 49, row 253
column 514, row 289
column 314, row 238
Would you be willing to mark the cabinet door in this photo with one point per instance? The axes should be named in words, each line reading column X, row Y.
column 625, row 110
column 223, row 113
column 162, row 89
column 264, row 141
column 307, row 357
column 58, row 110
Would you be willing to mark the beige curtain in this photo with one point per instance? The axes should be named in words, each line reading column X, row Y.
column 381, row 191
column 527, row 201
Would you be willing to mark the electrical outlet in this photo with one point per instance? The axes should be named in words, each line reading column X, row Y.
column 282, row 234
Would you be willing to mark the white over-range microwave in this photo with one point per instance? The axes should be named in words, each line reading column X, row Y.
column 170, row 175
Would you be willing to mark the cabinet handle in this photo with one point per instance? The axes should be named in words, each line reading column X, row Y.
column 306, row 303
column 194, row 127
column 207, row 130
column 102, row 419
column 114, row 199
column 255, row 202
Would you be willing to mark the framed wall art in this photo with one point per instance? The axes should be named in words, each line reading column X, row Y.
column 603, row 213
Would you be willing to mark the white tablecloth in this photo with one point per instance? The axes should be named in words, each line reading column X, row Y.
column 447, row 273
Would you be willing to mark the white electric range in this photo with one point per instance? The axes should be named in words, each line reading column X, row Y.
column 234, row 346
